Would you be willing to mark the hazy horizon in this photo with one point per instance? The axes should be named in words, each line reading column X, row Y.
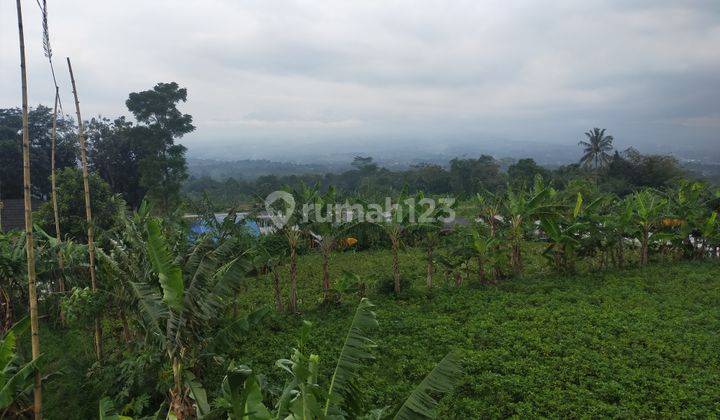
column 274, row 78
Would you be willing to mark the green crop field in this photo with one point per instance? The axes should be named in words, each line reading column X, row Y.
column 635, row 343
column 622, row 343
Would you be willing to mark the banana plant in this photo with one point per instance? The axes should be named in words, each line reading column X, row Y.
column 490, row 219
column 267, row 258
column 489, row 211
column 430, row 242
column 455, row 263
column 427, row 229
column 304, row 398
column 16, row 376
column 327, row 225
column 395, row 228
column 565, row 233
column 106, row 410
column 647, row 212
column 293, row 230
column 523, row 209
column 484, row 249
column 241, row 395
column 12, row 269
column 350, row 282
column 687, row 213
column 122, row 263
column 441, row 380
column 619, row 228
column 394, row 224
column 183, row 303
column 293, row 234
column 710, row 234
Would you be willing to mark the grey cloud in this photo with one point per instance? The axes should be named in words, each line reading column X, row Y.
column 297, row 72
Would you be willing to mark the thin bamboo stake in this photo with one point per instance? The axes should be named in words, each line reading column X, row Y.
column 30, row 243
column 88, row 210
column 58, row 235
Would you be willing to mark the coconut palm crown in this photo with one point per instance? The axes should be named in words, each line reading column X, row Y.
column 596, row 149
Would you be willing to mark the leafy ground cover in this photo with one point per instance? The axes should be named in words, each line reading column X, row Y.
column 640, row 342
column 632, row 343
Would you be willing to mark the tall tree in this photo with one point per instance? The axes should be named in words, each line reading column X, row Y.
column 40, row 120
column 88, row 208
column 115, row 157
column 140, row 159
column 596, row 148
column 525, row 171
column 163, row 167
column 71, row 205
column 469, row 176
column 30, row 245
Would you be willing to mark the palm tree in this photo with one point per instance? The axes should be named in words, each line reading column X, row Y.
column 596, row 149
column 30, row 245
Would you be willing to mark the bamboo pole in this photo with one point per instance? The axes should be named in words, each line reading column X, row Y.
column 88, row 210
column 53, row 185
column 29, row 245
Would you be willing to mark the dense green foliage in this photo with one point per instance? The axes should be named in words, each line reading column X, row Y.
column 180, row 314
column 15, row 376
column 141, row 160
column 633, row 343
column 528, row 290
column 40, row 125
column 71, row 206
column 138, row 160
column 622, row 174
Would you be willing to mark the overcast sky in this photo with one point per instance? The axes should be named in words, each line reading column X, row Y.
column 308, row 72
